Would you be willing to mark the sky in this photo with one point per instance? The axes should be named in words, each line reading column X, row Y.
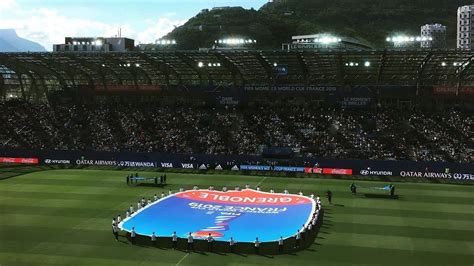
column 49, row 21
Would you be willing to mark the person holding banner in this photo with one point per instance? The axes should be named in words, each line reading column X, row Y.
column 257, row 245
column 303, row 233
column 297, row 239
column 153, row 239
column 280, row 245
column 133, row 235
column 115, row 231
column 190, row 242
column 174, row 240
column 210, row 240
column 231, row 244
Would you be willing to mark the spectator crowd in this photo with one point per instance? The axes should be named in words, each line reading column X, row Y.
column 384, row 134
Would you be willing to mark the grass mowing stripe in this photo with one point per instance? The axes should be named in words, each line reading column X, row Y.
column 27, row 220
column 441, row 215
column 402, row 243
column 63, row 202
column 80, row 211
column 403, row 221
column 62, row 195
column 345, row 254
column 408, row 205
column 406, row 231
column 404, row 197
column 14, row 259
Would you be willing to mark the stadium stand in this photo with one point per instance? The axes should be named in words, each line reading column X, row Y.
column 408, row 105
column 387, row 134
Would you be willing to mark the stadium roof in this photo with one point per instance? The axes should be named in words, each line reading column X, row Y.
column 31, row 73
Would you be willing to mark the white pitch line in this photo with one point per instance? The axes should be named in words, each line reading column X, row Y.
column 261, row 181
column 181, row 260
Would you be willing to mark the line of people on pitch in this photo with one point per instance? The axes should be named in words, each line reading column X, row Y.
column 130, row 178
column 299, row 237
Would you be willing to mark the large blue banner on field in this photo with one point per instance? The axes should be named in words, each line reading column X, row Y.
column 242, row 215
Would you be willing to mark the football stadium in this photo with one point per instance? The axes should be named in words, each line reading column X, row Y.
column 326, row 152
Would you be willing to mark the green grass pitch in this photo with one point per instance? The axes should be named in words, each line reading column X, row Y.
column 62, row 217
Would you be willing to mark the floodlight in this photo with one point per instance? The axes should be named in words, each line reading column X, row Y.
column 443, row 64
column 200, row 64
column 367, row 64
column 275, row 64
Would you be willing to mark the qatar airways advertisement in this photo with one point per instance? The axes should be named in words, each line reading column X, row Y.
column 243, row 215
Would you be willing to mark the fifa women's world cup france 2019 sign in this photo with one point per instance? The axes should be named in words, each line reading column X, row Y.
column 243, row 215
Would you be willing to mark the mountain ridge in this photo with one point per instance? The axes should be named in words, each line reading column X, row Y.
column 11, row 42
column 369, row 21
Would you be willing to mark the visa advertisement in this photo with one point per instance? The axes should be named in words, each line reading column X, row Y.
column 243, row 215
